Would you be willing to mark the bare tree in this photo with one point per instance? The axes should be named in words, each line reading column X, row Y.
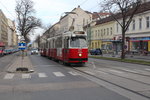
column 25, row 17
column 123, row 12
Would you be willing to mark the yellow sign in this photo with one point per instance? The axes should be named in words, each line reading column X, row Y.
column 148, row 45
column 22, row 42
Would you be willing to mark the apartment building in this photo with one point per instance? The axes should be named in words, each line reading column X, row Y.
column 77, row 18
column 102, row 34
column 3, row 29
column 138, row 33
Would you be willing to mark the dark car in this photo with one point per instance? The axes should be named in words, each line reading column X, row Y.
column 97, row 51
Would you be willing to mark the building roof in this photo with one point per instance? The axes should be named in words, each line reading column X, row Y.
column 96, row 15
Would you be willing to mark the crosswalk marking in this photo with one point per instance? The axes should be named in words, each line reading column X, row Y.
column 26, row 76
column 41, row 75
column 9, row 76
column 58, row 74
column 73, row 73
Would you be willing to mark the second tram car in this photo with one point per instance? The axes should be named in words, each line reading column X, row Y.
column 69, row 47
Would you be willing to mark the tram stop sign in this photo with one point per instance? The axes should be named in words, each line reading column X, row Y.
column 22, row 45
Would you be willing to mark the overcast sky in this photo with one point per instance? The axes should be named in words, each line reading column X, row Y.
column 49, row 11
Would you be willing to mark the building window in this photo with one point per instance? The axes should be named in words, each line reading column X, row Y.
column 140, row 23
column 117, row 27
column 95, row 33
column 111, row 31
column 133, row 24
column 107, row 31
column 98, row 33
column 147, row 22
column 104, row 31
column 101, row 32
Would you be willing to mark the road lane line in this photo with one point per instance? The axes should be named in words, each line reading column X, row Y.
column 24, row 76
column 73, row 73
column 58, row 74
column 101, row 72
column 132, row 71
column 42, row 75
column 116, row 71
column 9, row 76
column 147, row 69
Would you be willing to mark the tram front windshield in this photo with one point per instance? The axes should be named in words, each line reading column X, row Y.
column 78, row 42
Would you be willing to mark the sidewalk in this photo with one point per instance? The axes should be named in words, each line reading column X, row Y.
column 21, row 63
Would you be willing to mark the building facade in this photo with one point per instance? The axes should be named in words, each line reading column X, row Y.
column 102, row 35
column 138, row 33
column 76, row 18
column 3, row 29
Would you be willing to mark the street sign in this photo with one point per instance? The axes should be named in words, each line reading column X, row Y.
column 22, row 45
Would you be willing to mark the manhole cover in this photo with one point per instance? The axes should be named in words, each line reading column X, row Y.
column 22, row 69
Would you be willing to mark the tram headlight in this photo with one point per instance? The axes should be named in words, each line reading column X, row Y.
column 80, row 55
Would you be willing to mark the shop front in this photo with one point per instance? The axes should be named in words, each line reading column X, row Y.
column 140, row 44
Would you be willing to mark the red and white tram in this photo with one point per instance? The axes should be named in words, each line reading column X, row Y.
column 69, row 47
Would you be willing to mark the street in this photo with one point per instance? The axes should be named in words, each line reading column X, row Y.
column 52, row 80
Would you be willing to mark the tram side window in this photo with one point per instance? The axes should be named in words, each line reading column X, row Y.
column 65, row 43
column 59, row 42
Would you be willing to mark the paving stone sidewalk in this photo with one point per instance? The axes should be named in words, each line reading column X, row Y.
column 21, row 63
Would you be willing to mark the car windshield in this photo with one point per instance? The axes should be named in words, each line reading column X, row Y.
column 34, row 49
column 78, row 42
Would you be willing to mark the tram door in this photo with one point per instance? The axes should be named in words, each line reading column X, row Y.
column 66, row 50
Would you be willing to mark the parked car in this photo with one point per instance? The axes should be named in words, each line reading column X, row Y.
column 34, row 51
column 96, row 51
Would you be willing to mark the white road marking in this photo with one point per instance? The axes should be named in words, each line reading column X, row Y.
column 132, row 71
column 116, row 71
column 147, row 69
column 9, row 76
column 41, row 75
column 93, row 65
column 26, row 76
column 101, row 72
column 73, row 73
column 58, row 74
column 89, row 72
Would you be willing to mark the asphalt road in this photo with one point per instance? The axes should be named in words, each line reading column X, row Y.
column 6, row 60
column 52, row 81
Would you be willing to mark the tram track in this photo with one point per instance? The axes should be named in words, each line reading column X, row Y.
column 124, row 76
column 136, row 92
column 133, row 72
column 99, row 78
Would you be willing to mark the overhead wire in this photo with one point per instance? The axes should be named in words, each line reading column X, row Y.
column 97, row 5
column 83, row 2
